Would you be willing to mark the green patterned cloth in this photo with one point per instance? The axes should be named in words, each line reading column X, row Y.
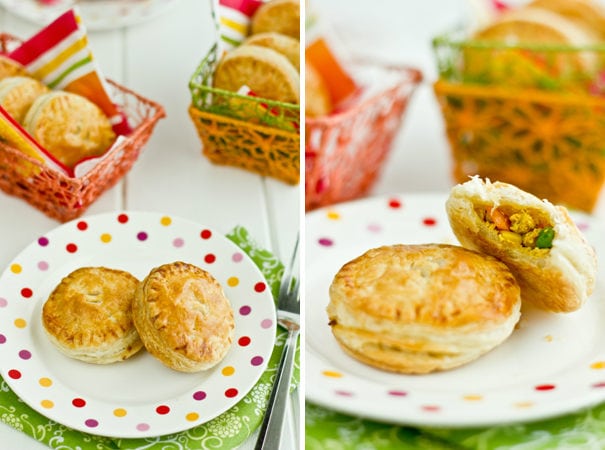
column 329, row 430
column 228, row 431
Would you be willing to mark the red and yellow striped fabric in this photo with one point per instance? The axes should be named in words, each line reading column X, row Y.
column 60, row 57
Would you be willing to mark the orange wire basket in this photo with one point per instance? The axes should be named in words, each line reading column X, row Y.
column 251, row 133
column 533, row 116
column 345, row 151
column 62, row 197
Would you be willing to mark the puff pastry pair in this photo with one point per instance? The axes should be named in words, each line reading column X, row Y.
column 421, row 308
column 179, row 313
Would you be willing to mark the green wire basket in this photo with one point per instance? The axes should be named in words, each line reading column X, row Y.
column 252, row 133
column 280, row 115
column 529, row 115
column 460, row 59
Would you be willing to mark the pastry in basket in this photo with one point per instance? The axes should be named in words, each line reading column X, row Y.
column 10, row 68
column 18, row 93
column 280, row 16
column 69, row 126
column 531, row 25
column 422, row 308
column 183, row 317
column 266, row 72
column 88, row 315
column 317, row 96
column 286, row 45
column 538, row 241
column 588, row 14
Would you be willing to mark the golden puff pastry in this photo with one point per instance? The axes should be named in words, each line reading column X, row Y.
column 587, row 14
column 183, row 317
column 280, row 16
column 422, row 308
column 318, row 101
column 266, row 72
column 538, row 241
column 18, row 93
column 69, row 126
column 10, row 68
column 532, row 25
column 88, row 315
column 285, row 45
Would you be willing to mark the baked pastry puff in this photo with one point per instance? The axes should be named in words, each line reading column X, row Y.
column 18, row 93
column 88, row 315
column 538, row 241
column 265, row 71
column 422, row 308
column 587, row 14
column 10, row 68
column 183, row 317
column 285, row 45
column 317, row 96
column 280, row 16
column 69, row 126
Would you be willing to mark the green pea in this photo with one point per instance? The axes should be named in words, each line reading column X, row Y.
column 545, row 238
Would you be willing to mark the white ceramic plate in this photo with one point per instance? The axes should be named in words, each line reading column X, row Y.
column 552, row 364
column 138, row 397
column 96, row 14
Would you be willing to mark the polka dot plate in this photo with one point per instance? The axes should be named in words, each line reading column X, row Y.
column 138, row 397
column 551, row 364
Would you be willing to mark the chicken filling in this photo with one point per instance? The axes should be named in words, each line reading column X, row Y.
column 520, row 227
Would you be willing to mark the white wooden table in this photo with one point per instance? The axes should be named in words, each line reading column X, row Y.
column 156, row 59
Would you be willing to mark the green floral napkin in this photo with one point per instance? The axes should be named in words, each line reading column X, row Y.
column 229, row 430
column 326, row 429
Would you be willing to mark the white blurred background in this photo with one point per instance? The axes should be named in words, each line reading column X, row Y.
column 400, row 32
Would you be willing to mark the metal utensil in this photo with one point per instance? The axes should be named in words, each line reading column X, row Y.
column 288, row 317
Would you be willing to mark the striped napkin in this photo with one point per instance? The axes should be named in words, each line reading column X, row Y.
column 232, row 19
column 15, row 136
column 60, row 57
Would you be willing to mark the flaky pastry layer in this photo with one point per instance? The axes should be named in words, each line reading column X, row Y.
column 560, row 278
column 88, row 315
column 420, row 308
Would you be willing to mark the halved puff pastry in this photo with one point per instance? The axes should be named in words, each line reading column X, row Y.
column 538, row 241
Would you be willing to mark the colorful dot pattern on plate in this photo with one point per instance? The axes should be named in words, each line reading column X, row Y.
column 138, row 397
column 527, row 377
